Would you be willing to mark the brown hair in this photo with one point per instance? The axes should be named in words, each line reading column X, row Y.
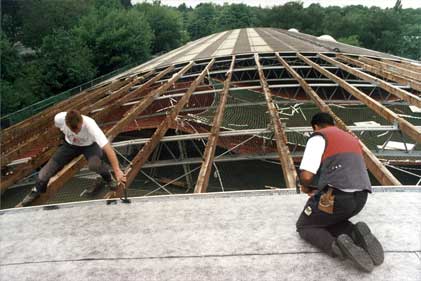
column 73, row 119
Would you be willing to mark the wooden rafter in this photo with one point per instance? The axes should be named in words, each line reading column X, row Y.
column 404, row 64
column 287, row 164
column 381, row 72
column 392, row 68
column 99, row 116
column 26, row 170
column 40, row 115
column 17, row 134
column 147, row 100
column 380, row 172
column 374, row 105
column 51, row 136
column 143, row 155
column 209, row 154
column 115, row 96
column 402, row 94
column 76, row 164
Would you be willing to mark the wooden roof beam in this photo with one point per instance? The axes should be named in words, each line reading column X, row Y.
column 27, row 127
column 97, row 116
column 25, row 170
column 130, row 115
column 209, row 154
column 287, row 164
column 60, row 104
column 117, row 94
column 402, row 94
column 380, row 172
column 374, row 105
column 76, row 164
column 51, row 136
column 142, row 156
column 392, row 68
column 381, row 72
column 100, row 115
column 405, row 64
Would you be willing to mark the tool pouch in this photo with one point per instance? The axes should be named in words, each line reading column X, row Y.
column 327, row 201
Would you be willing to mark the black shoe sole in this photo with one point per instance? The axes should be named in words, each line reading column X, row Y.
column 366, row 240
column 28, row 200
column 356, row 254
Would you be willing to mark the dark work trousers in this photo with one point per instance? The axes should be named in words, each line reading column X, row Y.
column 321, row 229
column 66, row 153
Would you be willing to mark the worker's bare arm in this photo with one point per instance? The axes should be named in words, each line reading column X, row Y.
column 306, row 179
column 112, row 157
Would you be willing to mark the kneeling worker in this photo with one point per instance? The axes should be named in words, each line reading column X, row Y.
column 82, row 136
column 341, row 193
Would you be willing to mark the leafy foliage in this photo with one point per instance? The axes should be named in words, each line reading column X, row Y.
column 166, row 24
column 202, row 20
column 65, row 61
column 41, row 17
column 234, row 16
column 14, row 93
column 116, row 37
column 72, row 41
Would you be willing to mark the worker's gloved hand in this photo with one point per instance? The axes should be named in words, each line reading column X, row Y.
column 120, row 176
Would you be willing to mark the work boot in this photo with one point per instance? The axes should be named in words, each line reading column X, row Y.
column 366, row 240
column 34, row 194
column 356, row 254
column 336, row 251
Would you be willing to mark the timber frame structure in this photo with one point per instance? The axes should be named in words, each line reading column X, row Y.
column 238, row 95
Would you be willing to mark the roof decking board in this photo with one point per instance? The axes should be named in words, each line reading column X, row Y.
column 227, row 47
column 273, row 41
column 208, row 52
column 257, row 43
column 242, row 45
column 199, row 48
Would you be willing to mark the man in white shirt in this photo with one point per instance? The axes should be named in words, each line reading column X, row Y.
column 82, row 136
column 335, row 156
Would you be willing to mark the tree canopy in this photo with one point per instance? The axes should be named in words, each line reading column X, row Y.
column 69, row 42
column 116, row 37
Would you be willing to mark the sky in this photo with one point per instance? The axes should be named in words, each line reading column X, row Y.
column 270, row 3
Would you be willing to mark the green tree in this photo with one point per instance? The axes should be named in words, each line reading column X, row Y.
column 398, row 6
column 185, row 12
column 287, row 16
column 312, row 19
column 11, row 22
column 234, row 16
column 11, row 63
column 166, row 24
column 345, row 22
column 65, row 61
column 116, row 37
column 382, row 31
column 41, row 17
column 202, row 21
column 411, row 42
column 14, row 88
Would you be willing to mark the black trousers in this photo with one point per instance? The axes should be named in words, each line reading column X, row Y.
column 66, row 153
column 321, row 229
